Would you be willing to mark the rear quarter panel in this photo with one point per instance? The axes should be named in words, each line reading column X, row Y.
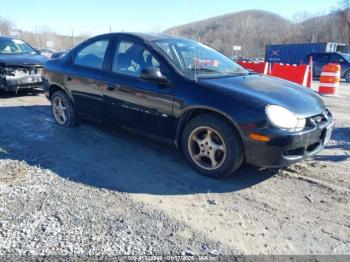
column 53, row 75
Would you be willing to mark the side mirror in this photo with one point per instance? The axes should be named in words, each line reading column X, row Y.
column 37, row 50
column 153, row 74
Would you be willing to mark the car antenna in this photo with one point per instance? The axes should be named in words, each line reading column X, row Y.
column 195, row 64
column 194, row 36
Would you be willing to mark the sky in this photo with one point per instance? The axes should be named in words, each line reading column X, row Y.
column 97, row 16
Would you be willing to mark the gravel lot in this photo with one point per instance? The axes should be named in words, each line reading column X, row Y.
column 98, row 190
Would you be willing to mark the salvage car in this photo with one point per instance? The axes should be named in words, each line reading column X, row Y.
column 20, row 65
column 183, row 92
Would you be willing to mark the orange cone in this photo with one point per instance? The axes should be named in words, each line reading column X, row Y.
column 330, row 78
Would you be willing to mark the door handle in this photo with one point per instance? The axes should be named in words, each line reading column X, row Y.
column 111, row 87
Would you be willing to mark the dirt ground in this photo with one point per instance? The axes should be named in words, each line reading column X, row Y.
column 95, row 189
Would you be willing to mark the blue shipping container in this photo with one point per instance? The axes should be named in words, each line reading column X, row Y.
column 297, row 53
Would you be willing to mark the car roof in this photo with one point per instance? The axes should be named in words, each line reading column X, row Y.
column 323, row 53
column 142, row 36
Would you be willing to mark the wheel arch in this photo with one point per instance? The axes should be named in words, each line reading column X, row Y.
column 192, row 112
column 347, row 71
column 55, row 87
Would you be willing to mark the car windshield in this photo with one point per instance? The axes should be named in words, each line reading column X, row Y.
column 346, row 57
column 15, row 46
column 196, row 60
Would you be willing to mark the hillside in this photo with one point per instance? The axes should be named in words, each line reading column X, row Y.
column 334, row 27
column 254, row 29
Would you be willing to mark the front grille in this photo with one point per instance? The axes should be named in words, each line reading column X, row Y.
column 313, row 147
column 23, row 71
column 319, row 120
column 294, row 152
column 30, row 70
column 301, row 151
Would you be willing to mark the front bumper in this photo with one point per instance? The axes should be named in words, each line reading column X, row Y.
column 15, row 77
column 13, row 84
column 286, row 148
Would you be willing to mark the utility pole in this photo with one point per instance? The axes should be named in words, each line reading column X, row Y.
column 110, row 29
column 192, row 18
column 37, row 37
column 73, row 37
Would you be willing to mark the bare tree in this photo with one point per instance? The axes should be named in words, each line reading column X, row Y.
column 6, row 26
column 255, row 29
column 344, row 10
column 42, row 37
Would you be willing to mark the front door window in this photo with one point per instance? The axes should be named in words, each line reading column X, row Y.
column 130, row 58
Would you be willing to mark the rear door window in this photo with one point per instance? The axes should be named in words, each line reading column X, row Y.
column 92, row 55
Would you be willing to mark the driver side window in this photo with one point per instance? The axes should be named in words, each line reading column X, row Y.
column 130, row 58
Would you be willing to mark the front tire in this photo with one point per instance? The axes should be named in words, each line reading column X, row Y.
column 212, row 146
column 63, row 110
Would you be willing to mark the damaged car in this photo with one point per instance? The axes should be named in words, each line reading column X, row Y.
column 20, row 65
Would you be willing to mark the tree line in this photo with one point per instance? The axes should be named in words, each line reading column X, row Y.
column 43, row 38
column 253, row 30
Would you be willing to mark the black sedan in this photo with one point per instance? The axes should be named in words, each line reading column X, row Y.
column 20, row 65
column 185, row 93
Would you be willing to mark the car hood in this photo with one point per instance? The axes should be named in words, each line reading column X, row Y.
column 258, row 90
column 22, row 59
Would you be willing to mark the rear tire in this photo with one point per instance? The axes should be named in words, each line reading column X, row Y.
column 63, row 109
column 212, row 146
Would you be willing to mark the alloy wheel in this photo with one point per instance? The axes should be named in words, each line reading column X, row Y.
column 207, row 148
column 59, row 110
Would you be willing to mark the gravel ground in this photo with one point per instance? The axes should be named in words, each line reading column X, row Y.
column 43, row 214
column 98, row 190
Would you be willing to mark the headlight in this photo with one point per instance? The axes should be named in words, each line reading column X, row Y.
column 282, row 118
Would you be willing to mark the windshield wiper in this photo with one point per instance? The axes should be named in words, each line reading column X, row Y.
column 204, row 69
column 239, row 71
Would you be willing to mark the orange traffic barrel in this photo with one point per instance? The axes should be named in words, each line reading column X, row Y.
column 330, row 78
